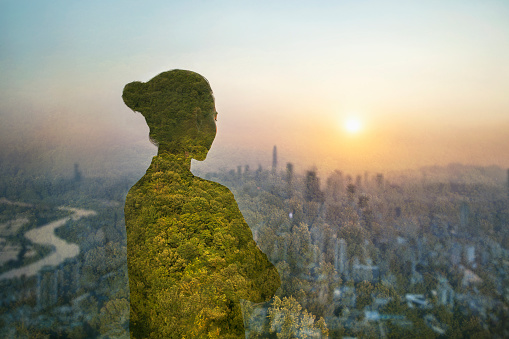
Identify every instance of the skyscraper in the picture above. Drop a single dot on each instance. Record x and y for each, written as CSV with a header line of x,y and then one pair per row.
x,y
334,185
464,214
289,173
312,189
508,182
274,159
380,180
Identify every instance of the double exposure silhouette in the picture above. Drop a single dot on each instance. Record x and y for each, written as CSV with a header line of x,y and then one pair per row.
x,y
191,256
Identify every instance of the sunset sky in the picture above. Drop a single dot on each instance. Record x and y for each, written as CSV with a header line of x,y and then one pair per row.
x,y
352,85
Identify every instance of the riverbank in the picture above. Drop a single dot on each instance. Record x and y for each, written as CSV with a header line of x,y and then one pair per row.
x,y
45,235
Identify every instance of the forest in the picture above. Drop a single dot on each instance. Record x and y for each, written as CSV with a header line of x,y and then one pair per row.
x,y
357,257
375,258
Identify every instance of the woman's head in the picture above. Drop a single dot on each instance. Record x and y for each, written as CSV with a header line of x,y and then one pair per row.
x,y
178,106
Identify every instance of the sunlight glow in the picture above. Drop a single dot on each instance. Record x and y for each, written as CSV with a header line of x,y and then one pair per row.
x,y
353,125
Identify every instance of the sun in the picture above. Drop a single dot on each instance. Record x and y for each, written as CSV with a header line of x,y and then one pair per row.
x,y
353,125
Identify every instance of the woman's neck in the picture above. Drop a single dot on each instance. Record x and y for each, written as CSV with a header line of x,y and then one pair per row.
x,y
164,161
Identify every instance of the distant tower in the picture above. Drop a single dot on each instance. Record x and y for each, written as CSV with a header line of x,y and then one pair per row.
x,y
274,159
350,189
246,171
312,189
342,256
464,214
508,182
397,211
258,172
380,180
335,185
470,255
358,181
363,201
289,172
336,253
77,172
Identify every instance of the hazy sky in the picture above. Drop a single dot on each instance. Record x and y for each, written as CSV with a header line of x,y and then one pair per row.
x,y
428,81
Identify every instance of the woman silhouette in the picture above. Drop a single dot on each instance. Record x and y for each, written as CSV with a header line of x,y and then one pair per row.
x,y
191,256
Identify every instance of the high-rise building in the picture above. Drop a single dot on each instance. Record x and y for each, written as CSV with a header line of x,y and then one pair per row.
x,y
289,180
380,180
358,181
312,190
508,182
342,256
350,190
445,293
289,173
464,214
334,185
274,159
77,172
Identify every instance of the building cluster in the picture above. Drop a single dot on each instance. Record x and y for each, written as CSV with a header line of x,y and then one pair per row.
x,y
77,296
416,247
370,256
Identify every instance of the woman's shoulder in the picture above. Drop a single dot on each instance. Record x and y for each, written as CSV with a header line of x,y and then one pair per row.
x,y
212,186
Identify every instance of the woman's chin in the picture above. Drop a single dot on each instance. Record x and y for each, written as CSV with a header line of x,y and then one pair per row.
x,y
200,157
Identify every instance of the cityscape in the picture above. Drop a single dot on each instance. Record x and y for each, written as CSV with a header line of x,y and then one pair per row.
x,y
364,143
358,256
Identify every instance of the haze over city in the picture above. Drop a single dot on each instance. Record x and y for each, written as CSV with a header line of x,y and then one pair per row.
x,y
361,150
356,86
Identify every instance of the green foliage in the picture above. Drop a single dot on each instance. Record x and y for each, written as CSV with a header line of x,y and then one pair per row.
x,y
289,320
364,298
191,256
112,317
178,106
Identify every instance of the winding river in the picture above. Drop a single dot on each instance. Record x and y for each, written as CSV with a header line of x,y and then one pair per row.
x,y
45,235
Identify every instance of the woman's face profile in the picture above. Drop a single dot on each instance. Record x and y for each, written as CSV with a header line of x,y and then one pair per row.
x,y
179,109
207,130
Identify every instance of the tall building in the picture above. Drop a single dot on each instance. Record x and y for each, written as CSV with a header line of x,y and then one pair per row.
x,y
380,180
470,254
445,293
464,214
343,260
289,173
289,179
312,190
334,185
358,181
508,182
274,159
77,172
350,190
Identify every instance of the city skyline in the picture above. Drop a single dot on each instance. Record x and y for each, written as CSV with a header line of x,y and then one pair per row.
x,y
426,84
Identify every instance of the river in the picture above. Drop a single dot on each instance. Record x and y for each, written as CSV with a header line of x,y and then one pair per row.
x,y
45,235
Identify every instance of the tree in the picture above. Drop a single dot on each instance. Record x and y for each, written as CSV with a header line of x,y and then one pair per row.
x,y
289,320
113,318
364,298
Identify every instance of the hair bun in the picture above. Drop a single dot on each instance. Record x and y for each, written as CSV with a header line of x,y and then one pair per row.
x,y
134,95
